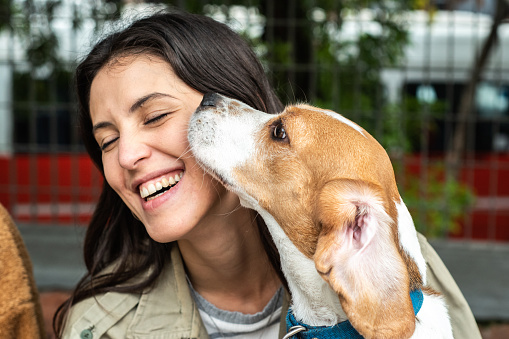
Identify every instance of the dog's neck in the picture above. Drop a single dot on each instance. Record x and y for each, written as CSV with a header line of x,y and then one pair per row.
x,y
313,301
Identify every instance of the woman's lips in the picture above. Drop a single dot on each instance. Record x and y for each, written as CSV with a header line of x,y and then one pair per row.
x,y
153,189
159,197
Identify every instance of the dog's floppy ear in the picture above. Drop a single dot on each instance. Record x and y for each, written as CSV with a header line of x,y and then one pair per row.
x,y
357,255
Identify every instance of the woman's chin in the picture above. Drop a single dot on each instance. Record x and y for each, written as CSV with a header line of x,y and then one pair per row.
x,y
161,234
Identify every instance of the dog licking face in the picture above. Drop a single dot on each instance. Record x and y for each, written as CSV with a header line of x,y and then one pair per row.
x,y
325,188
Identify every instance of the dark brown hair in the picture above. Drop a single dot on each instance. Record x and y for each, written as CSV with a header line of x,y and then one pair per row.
x,y
208,57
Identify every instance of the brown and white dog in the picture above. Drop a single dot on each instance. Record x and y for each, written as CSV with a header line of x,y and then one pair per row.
x,y
327,192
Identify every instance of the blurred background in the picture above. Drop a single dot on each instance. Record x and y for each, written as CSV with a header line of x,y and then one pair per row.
x,y
429,80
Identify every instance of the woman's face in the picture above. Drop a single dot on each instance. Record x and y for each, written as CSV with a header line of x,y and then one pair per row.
x,y
140,111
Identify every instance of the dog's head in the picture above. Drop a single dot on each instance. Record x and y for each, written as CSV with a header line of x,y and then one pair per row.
x,y
330,186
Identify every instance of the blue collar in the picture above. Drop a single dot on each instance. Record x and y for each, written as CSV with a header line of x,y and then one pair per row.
x,y
343,330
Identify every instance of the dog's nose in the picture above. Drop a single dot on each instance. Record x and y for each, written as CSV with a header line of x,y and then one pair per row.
x,y
209,99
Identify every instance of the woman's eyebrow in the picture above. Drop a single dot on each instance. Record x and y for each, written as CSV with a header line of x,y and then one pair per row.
x,y
100,125
146,98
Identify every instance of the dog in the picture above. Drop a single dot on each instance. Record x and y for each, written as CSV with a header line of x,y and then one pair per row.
x,y
327,192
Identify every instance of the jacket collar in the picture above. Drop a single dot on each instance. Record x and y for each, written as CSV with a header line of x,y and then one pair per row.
x,y
168,302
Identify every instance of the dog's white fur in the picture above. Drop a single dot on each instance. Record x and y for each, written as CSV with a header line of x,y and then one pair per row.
x,y
339,117
225,137
408,238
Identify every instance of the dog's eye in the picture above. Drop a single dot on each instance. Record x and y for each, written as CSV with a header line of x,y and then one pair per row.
x,y
278,131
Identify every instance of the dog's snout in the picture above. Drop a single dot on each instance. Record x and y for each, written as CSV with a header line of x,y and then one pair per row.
x,y
209,99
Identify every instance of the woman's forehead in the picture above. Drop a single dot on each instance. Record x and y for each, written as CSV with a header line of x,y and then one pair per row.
x,y
122,63
130,78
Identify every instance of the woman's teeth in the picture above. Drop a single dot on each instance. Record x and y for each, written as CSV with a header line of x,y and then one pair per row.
x,y
158,188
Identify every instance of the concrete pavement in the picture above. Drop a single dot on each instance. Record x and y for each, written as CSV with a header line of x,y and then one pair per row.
x,y
56,253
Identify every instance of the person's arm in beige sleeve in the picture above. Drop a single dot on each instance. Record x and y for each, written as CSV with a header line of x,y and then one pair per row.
x,y
463,322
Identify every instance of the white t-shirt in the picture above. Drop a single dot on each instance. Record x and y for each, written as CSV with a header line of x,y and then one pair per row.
x,y
235,325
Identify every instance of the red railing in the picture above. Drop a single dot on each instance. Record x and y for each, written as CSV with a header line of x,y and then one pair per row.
x,y
46,188
63,189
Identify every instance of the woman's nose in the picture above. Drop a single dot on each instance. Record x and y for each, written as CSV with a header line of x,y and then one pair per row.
x,y
131,151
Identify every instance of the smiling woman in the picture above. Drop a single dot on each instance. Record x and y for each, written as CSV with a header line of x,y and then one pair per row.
x,y
161,223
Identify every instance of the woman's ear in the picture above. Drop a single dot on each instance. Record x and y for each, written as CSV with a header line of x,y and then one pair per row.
x,y
357,254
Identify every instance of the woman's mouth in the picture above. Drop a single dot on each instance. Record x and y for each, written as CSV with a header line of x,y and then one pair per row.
x,y
161,186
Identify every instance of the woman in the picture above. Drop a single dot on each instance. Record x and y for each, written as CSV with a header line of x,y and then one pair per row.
x,y
170,252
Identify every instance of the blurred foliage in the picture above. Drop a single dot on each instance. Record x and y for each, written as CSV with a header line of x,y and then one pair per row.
x,y
358,59
32,22
405,123
311,55
437,204
5,13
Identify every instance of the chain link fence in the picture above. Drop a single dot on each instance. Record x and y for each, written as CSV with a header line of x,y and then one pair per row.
x,y
413,77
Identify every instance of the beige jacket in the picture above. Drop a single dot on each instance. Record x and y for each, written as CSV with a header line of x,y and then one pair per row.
x,y
20,310
168,310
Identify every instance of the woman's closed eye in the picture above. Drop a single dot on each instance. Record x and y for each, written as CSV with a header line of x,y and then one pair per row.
x,y
106,144
156,118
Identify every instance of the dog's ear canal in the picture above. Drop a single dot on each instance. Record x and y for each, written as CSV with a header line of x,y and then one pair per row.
x,y
357,255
